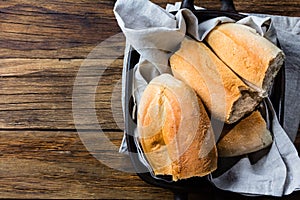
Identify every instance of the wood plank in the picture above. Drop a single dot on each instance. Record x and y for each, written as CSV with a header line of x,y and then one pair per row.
x,y
284,7
53,164
56,29
37,93
56,164
59,29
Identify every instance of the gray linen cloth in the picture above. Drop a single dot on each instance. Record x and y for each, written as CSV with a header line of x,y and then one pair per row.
x,y
156,34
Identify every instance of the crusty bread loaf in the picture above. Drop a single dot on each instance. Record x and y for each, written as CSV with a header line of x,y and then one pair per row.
x,y
174,130
224,94
249,135
251,56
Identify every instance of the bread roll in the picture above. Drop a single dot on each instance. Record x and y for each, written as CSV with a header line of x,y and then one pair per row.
x,y
223,93
249,135
174,130
248,54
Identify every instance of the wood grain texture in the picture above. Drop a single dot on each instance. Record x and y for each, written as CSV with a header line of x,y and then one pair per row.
x,y
36,164
56,164
56,29
71,29
37,93
275,7
47,48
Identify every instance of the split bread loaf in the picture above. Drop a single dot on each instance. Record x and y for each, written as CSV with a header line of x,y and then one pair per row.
x,y
254,58
249,135
226,96
174,130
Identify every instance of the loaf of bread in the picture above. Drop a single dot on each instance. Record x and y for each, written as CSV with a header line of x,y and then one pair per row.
x,y
174,130
226,96
254,58
249,135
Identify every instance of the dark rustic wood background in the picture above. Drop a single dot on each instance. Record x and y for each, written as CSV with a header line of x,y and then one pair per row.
x,y
42,45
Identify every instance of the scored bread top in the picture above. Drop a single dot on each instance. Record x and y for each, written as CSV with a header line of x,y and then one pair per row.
x,y
225,95
174,130
251,56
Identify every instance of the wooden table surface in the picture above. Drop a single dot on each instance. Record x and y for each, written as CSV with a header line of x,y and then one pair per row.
x,y
43,47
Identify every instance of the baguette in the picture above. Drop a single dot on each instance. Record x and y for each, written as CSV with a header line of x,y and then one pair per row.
x,y
254,58
174,130
249,135
226,96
